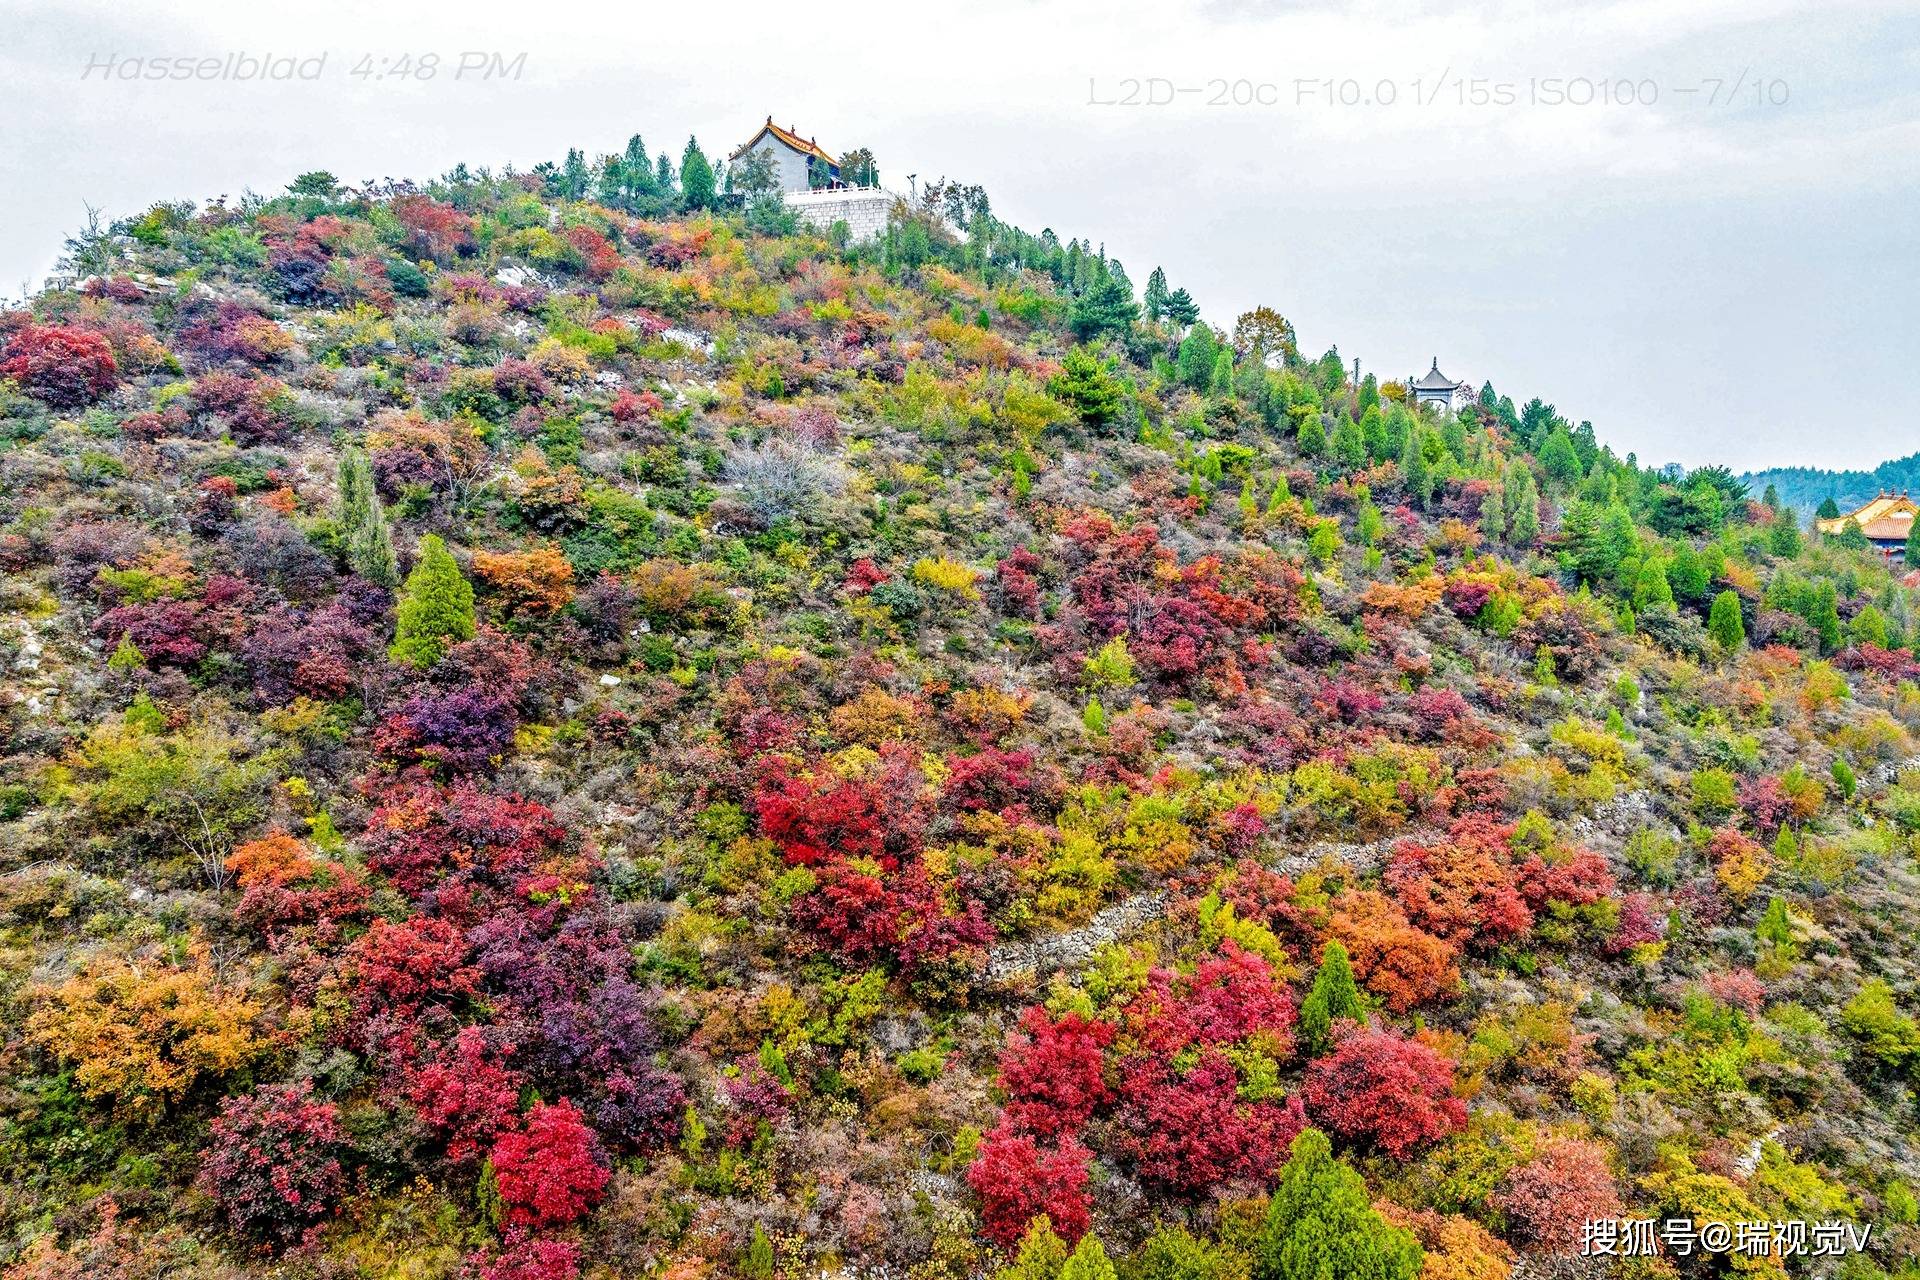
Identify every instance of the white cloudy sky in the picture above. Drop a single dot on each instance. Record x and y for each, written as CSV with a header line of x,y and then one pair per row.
x,y
1706,281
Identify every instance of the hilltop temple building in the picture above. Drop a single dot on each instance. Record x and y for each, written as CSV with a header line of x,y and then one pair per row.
x,y
1886,521
798,163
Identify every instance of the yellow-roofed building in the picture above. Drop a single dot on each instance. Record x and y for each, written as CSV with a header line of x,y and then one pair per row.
x,y
1886,521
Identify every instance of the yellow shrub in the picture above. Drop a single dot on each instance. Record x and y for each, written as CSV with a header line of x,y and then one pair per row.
x,y
943,574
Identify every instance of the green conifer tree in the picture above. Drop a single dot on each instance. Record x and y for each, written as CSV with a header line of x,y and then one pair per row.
x,y
1414,468
1088,1261
1312,439
363,522
436,607
1320,1224
1333,996
1155,296
1724,624
696,177
1041,1256
1349,444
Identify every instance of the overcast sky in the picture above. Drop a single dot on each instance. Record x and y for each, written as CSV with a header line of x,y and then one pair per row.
x,y
1721,268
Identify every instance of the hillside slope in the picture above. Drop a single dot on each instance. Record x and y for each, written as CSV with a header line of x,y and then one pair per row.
x,y
555,737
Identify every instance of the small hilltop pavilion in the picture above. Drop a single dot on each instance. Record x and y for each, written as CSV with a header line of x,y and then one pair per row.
x,y
1886,521
1436,388
799,163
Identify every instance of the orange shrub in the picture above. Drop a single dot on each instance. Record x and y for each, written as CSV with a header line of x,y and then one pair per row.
x,y
537,582
1402,964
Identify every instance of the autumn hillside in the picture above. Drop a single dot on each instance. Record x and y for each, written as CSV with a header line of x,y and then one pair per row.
x,y
566,725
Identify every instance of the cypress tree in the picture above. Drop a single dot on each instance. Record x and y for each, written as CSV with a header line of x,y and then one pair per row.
x,y
1313,437
1783,537
1156,295
1724,624
1332,997
1320,1224
1349,444
1523,520
436,607
364,522
696,177
1414,468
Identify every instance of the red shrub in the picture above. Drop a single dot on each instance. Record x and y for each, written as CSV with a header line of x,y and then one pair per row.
x,y
164,631
65,367
400,967
552,1172
1191,1133
1053,1073
811,815
435,230
1578,879
1463,891
1381,1089
1018,1179
465,1095
533,1258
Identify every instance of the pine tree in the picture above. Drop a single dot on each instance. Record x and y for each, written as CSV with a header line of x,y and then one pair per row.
x,y
1196,359
696,177
1783,537
1493,516
1724,624
1320,1224
1771,497
759,1264
1107,307
436,607
1520,497
1829,509
1332,997
1349,444
1181,308
363,522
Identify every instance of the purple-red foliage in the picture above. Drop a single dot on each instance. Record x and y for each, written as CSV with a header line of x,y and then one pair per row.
x,y
65,367
273,1162
420,833
316,652
165,631
460,731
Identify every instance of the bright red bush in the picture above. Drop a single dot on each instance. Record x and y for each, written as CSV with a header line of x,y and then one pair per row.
x,y
1193,1132
1053,1074
1380,1089
553,1171
1017,1178
465,1095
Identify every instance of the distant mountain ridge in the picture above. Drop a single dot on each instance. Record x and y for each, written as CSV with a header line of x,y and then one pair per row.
x,y
1805,488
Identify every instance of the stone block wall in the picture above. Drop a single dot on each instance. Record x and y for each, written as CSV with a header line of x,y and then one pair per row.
x,y
863,209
